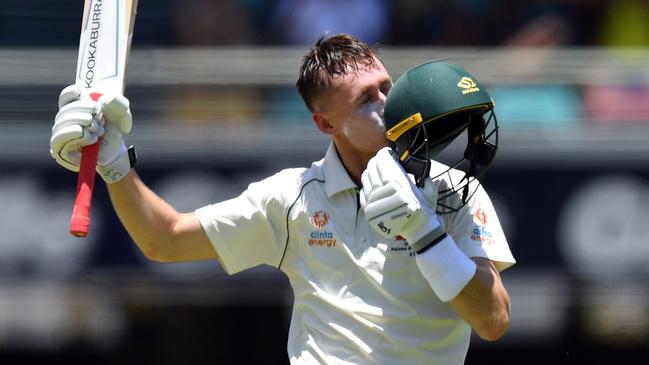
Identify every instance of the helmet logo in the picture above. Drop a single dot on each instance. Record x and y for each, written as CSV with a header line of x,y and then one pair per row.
x,y
467,85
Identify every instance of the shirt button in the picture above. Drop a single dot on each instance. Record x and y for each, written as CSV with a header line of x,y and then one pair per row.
x,y
363,239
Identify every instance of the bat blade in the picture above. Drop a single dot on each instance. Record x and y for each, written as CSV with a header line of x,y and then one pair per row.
x,y
106,33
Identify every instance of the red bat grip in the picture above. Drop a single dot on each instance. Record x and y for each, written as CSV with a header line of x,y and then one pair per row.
x,y
85,183
80,220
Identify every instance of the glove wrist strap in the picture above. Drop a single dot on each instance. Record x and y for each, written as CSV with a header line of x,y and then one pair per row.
x,y
430,237
119,166
422,230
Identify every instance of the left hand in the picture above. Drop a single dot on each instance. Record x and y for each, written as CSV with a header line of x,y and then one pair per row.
x,y
394,205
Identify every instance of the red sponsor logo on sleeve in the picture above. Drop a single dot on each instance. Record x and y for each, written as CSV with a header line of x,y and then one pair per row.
x,y
480,217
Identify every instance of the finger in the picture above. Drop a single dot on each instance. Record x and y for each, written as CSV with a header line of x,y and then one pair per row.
x,y
383,192
66,164
384,161
67,154
399,183
71,151
81,106
99,130
73,136
96,126
69,94
362,198
65,135
391,170
391,207
82,120
430,192
373,176
367,187
126,123
70,159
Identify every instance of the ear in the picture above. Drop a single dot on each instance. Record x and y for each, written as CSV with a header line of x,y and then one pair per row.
x,y
322,122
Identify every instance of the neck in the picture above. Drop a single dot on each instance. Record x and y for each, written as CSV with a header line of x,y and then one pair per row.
x,y
353,160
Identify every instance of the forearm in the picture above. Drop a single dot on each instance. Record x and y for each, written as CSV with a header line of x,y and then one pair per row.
x,y
471,285
148,219
484,303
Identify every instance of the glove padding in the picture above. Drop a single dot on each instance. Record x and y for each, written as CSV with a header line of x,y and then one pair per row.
x,y
394,205
82,121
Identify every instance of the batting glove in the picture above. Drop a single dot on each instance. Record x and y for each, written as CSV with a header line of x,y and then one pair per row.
x,y
82,121
394,205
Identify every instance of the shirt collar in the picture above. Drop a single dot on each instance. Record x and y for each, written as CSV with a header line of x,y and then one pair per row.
x,y
336,177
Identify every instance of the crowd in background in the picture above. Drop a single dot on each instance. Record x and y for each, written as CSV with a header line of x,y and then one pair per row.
x,y
385,22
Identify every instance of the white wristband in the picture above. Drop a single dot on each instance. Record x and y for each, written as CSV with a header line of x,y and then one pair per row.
x,y
446,268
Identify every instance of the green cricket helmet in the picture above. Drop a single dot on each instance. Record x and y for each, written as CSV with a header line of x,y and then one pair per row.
x,y
428,108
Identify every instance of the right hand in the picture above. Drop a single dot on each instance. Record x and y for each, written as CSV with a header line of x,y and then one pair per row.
x,y
81,122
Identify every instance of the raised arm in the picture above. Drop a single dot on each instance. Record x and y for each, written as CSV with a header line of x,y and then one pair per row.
x,y
162,233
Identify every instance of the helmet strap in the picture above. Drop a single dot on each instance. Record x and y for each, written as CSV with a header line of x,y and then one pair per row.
x,y
420,168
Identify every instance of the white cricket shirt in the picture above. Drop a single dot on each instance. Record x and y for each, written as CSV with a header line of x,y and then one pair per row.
x,y
359,298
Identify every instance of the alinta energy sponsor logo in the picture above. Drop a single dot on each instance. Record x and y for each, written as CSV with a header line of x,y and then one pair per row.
x,y
481,234
320,236
467,85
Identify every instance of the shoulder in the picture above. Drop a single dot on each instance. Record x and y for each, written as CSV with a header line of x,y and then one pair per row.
x,y
283,186
450,184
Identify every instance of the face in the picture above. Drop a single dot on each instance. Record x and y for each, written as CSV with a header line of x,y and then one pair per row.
x,y
352,109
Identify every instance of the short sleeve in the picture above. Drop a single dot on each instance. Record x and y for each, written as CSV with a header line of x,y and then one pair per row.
x,y
248,230
478,233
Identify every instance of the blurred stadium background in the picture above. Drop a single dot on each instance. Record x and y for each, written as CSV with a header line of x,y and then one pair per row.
x,y
211,86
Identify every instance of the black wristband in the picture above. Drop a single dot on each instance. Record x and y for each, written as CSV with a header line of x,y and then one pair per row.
x,y
425,241
132,156
431,244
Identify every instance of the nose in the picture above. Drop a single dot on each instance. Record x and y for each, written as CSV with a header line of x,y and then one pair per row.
x,y
383,96
381,103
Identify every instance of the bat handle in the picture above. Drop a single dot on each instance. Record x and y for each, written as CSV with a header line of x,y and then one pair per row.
x,y
80,220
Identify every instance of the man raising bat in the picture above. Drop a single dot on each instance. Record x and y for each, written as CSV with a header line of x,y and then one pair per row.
x,y
379,276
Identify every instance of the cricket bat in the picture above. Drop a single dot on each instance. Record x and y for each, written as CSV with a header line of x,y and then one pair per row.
x,y
106,33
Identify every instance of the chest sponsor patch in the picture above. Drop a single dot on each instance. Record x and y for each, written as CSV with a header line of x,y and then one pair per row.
x,y
320,237
481,234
